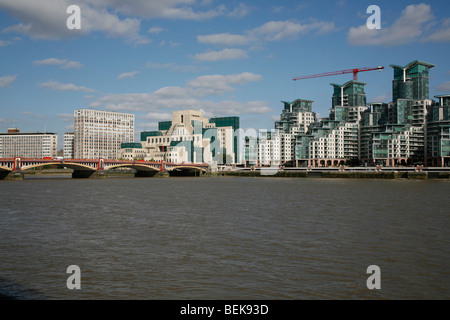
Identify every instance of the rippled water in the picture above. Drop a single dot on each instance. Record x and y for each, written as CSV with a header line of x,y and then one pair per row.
x,y
224,238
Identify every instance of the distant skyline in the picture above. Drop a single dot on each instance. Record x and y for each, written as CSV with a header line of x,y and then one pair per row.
x,y
228,58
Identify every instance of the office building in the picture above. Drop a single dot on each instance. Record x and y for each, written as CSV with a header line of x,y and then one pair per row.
x,y
99,134
28,145
189,138
68,145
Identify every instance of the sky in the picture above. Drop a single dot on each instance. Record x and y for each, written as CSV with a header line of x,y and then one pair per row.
x,y
227,58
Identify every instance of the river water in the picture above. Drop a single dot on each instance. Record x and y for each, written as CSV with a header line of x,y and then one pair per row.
x,y
224,238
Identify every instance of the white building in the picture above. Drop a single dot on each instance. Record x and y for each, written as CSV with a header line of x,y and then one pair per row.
x,y
287,141
338,143
269,148
99,134
28,145
132,151
265,150
189,138
295,119
68,145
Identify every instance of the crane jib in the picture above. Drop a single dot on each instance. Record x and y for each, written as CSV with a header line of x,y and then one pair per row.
x,y
354,71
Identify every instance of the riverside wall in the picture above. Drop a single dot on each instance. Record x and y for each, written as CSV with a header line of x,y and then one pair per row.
x,y
343,175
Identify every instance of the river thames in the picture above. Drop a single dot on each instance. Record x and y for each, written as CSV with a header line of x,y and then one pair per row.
x,y
224,238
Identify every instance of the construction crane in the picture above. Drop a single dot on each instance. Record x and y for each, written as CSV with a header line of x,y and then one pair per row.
x,y
354,71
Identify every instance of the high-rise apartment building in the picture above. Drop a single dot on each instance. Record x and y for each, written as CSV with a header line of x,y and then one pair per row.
x,y
395,133
411,81
438,133
264,150
411,129
99,134
295,119
350,94
68,145
28,145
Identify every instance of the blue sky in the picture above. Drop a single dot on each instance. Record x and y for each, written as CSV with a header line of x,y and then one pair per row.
x,y
225,57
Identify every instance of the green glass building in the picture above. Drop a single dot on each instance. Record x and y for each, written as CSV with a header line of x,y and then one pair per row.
x,y
411,81
350,94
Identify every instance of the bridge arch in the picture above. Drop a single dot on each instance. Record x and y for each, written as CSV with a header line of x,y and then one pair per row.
x,y
2,168
138,167
70,165
187,167
185,170
142,170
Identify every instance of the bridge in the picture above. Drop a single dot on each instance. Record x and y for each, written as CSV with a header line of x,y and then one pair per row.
x,y
13,168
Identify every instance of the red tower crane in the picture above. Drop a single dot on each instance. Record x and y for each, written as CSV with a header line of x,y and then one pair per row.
x,y
354,71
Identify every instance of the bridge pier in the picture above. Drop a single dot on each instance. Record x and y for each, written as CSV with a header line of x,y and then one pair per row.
x,y
145,174
162,174
88,174
11,176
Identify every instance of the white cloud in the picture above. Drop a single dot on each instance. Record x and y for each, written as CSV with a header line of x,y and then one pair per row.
x,y
65,117
228,107
442,35
127,75
381,98
155,30
407,28
321,27
33,115
275,118
225,54
240,11
169,9
63,63
172,67
160,116
224,39
269,31
445,87
5,43
155,104
72,65
171,44
278,9
46,19
220,84
168,65
57,86
6,81
148,125
277,30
